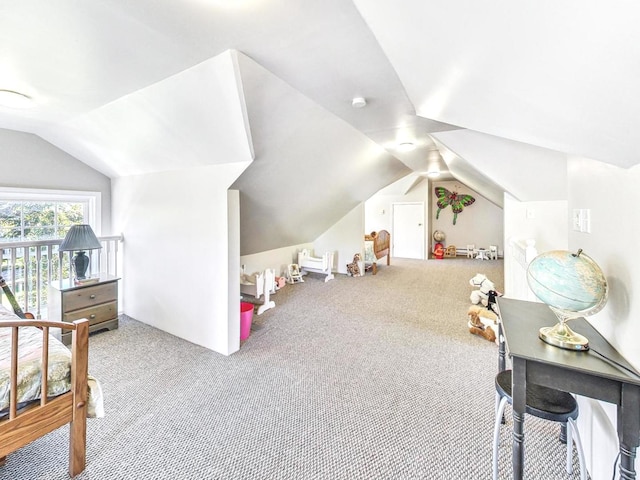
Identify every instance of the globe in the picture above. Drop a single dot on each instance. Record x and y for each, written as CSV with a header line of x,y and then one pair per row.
x,y
438,236
573,285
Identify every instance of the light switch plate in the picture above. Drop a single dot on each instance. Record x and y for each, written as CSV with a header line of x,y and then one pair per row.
x,y
576,220
585,221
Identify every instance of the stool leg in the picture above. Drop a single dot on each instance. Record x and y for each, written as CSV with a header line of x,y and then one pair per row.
x,y
569,441
496,435
575,435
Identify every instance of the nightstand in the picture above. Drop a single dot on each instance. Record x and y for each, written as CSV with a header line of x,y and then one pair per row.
x,y
97,302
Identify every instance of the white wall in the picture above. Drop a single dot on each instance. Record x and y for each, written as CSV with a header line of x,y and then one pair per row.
x,y
480,224
344,239
27,161
278,259
233,273
378,209
177,272
544,222
612,195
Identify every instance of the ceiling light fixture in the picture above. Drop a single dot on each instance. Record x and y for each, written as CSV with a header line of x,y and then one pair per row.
x,y
406,146
358,102
13,99
433,173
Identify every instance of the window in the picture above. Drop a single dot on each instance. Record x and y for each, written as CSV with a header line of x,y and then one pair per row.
x,y
29,215
44,214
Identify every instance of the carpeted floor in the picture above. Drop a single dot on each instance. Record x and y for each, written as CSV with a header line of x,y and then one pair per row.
x,y
374,377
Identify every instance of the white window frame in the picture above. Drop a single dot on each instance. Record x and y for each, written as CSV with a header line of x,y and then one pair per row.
x,y
93,199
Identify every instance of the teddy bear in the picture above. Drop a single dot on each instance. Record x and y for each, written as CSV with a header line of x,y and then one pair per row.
x,y
486,293
483,322
353,268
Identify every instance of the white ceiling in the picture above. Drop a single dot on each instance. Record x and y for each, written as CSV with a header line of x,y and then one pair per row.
x,y
127,87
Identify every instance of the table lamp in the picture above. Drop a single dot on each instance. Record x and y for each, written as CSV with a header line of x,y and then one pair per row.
x,y
80,238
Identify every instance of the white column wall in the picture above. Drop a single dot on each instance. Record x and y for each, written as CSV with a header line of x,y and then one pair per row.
x,y
176,228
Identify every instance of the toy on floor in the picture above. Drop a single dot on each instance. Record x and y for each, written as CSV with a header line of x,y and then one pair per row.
x,y
293,274
483,322
486,293
353,268
322,264
259,284
280,282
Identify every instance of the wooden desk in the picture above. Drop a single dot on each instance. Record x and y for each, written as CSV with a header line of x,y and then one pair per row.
x,y
583,373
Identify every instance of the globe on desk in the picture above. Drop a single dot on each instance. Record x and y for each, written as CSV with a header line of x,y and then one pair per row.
x,y
573,286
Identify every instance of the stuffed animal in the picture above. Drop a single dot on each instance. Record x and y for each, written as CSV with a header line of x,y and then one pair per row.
x,y
353,268
483,322
483,295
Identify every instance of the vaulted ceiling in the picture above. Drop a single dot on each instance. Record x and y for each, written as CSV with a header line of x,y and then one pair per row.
x,y
148,85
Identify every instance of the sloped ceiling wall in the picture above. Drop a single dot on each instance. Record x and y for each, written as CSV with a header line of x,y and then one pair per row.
x,y
553,74
528,172
123,86
191,119
310,166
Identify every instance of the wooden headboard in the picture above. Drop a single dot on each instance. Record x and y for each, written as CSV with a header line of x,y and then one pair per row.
x,y
381,244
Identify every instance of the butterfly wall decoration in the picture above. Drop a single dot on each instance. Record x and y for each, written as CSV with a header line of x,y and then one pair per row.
x,y
457,201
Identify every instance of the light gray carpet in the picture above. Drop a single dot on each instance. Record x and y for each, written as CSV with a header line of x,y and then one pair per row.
x,y
360,378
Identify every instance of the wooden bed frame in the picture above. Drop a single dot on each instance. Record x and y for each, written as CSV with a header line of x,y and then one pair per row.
x,y
37,419
381,246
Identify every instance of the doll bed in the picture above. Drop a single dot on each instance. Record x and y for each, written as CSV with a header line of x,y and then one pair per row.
x,y
322,264
258,284
27,349
377,245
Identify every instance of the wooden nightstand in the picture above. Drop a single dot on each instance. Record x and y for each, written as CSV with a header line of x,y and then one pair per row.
x,y
97,302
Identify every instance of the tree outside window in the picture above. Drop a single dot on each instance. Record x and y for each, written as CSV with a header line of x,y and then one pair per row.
x,y
31,221
38,220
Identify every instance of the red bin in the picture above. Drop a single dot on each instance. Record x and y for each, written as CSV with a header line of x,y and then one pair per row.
x,y
246,317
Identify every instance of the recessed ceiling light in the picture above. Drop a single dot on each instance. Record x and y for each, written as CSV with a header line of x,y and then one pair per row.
x,y
406,146
13,99
433,173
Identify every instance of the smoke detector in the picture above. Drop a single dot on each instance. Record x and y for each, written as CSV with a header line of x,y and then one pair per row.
x,y
358,102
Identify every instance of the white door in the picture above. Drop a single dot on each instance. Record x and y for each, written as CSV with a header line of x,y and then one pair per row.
x,y
407,236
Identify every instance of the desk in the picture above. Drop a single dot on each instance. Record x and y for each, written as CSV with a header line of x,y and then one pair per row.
x,y
482,254
583,373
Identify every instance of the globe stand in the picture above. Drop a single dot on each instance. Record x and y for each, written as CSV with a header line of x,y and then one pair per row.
x,y
561,335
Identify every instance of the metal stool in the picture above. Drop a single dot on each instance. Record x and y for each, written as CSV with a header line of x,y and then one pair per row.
x,y
545,403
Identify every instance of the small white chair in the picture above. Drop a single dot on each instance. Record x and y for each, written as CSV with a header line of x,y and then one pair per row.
x,y
493,252
293,273
471,250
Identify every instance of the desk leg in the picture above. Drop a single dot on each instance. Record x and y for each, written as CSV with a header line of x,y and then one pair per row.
x,y
629,430
519,395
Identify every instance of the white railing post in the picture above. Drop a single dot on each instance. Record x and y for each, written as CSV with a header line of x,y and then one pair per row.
x,y
45,271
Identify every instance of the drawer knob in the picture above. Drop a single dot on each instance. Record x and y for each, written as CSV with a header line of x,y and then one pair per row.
x,y
92,297
92,316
